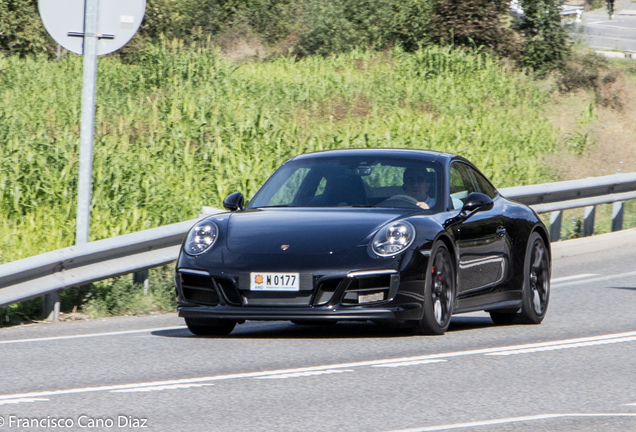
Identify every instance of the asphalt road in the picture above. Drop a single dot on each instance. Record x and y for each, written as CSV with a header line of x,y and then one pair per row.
x,y
598,31
576,371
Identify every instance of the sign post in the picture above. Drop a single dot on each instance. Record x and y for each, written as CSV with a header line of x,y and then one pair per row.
x,y
107,26
87,131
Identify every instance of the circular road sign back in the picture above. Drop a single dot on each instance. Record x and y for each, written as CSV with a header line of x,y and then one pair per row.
x,y
118,21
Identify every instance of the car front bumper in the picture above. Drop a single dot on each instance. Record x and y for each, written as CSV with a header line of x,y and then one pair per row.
x,y
410,311
378,289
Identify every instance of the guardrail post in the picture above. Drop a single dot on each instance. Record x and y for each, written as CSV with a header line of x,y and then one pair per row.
x,y
617,216
51,306
555,226
588,221
142,277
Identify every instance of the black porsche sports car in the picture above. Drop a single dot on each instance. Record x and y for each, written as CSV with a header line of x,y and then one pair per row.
x,y
404,236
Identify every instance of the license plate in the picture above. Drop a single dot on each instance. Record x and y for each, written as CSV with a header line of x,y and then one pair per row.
x,y
274,282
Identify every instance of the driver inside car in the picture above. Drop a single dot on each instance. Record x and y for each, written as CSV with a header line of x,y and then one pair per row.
x,y
416,183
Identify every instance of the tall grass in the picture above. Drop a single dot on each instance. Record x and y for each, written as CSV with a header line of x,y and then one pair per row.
x,y
181,128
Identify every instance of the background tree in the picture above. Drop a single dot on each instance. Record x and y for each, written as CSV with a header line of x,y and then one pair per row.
x,y
21,29
474,23
545,45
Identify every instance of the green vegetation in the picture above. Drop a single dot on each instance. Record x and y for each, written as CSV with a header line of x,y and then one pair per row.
x,y
118,296
21,29
545,46
261,28
183,129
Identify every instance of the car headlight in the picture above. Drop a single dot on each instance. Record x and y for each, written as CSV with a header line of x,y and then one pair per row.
x,y
201,237
393,239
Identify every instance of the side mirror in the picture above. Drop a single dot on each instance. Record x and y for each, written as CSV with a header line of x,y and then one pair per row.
x,y
233,202
477,202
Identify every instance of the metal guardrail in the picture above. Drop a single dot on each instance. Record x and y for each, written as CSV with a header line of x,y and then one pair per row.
x,y
553,198
79,265
51,272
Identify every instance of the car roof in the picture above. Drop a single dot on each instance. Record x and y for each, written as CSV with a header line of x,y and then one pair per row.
x,y
427,155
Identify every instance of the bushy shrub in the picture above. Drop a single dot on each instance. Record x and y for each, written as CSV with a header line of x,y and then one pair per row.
x,y
21,29
583,71
594,4
301,26
474,23
324,27
331,26
546,46
409,27
120,296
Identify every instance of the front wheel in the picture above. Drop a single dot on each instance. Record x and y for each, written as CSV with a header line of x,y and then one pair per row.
x,y
210,326
439,293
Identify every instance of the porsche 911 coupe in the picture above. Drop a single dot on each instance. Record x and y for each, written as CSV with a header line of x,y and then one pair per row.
x,y
406,237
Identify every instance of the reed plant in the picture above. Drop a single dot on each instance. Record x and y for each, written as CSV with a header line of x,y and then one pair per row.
x,y
182,128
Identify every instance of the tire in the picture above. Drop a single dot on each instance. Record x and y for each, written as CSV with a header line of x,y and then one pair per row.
x,y
536,282
210,326
439,293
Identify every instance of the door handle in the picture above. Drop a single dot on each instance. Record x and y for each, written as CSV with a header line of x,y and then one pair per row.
x,y
501,231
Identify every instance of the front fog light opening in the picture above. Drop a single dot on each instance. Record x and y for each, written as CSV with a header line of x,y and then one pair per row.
x,y
370,298
201,237
393,239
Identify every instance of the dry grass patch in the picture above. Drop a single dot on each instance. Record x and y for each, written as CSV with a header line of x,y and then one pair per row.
x,y
597,128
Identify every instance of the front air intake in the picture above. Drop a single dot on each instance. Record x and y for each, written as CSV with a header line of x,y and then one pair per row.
x,y
367,289
199,288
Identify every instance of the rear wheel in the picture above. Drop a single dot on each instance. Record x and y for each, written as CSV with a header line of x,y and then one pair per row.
x,y
210,326
536,282
439,293
536,287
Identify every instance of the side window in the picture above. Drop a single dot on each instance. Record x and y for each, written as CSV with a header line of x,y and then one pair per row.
x,y
461,184
321,187
484,185
287,192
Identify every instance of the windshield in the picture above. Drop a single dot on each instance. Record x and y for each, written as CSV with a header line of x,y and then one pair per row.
x,y
353,181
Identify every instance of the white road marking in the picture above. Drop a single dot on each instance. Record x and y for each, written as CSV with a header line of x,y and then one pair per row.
x,y
596,279
161,388
55,338
317,368
610,26
609,37
22,400
575,277
510,420
409,363
564,346
304,374
632,404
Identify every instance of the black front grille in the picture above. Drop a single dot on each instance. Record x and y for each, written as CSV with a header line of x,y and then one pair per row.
x,y
230,290
366,285
201,296
326,290
277,298
199,288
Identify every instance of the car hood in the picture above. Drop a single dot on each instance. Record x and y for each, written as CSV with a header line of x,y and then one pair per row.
x,y
303,231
